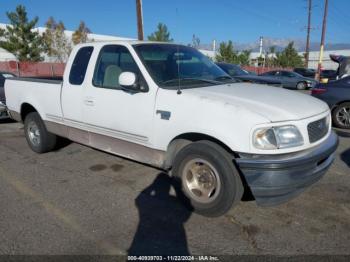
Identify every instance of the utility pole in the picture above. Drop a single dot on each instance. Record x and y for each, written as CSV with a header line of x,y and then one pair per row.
x,y
139,19
324,25
307,49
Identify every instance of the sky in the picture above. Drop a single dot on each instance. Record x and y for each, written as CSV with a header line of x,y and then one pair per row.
x,y
240,21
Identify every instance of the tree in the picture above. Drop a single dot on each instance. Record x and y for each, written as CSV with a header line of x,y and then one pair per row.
x,y
289,57
20,38
270,57
226,53
55,41
161,35
195,41
272,49
243,57
81,34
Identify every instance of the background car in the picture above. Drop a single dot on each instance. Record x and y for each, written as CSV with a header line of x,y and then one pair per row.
x,y
291,79
251,72
329,74
344,65
337,95
307,72
237,72
3,110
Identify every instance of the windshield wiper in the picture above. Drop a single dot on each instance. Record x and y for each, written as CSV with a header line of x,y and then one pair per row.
x,y
220,78
176,80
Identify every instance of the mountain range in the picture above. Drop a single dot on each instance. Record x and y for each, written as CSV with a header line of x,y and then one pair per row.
x,y
281,43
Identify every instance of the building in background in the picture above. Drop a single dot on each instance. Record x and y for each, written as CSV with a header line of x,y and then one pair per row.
x,y
6,56
327,62
313,58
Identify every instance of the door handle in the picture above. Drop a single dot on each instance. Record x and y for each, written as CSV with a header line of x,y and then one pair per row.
x,y
89,102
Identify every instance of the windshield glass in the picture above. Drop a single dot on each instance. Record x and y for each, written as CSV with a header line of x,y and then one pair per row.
x,y
233,70
172,66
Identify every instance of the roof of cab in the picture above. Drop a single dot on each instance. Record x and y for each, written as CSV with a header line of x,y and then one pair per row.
x,y
131,42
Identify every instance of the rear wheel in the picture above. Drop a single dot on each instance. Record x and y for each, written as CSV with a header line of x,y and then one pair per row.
x,y
38,138
208,177
341,115
301,86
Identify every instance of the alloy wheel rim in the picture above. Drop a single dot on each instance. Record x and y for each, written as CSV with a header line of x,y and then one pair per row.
x,y
343,116
301,86
201,180
33,133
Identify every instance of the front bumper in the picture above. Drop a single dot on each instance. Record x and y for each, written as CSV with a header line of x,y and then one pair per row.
x,y
274,179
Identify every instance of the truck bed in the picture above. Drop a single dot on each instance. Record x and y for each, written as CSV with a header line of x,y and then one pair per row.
x,y
56,78
40,79
42,93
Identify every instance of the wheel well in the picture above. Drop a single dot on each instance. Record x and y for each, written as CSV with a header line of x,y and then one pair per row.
x,y
184,139
339,103
26,109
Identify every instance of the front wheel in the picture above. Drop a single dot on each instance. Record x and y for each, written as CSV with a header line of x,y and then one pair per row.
x,y
301,86
341,115
38,138
208,177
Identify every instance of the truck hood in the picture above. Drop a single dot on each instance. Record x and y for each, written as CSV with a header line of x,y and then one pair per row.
x,y
274,103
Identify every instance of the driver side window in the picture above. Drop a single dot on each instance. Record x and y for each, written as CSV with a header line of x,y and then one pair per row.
x,y
287,74
112,61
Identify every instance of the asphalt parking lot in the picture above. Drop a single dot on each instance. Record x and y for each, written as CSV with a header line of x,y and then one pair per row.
x,y
77,200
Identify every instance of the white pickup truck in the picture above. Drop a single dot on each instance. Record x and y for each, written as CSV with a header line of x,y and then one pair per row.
x,y
169,106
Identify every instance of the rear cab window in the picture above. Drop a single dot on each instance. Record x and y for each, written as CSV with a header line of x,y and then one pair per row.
x,y
79,66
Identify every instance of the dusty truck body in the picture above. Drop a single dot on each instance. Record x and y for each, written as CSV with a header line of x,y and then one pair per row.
x,y
169,106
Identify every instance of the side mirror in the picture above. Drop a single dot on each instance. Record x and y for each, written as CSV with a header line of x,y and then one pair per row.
x,y
129,82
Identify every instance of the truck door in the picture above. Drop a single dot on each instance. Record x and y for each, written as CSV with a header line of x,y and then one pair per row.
x,y
73,94
110,111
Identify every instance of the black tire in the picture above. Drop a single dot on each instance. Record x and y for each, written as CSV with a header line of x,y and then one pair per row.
x,y
229,185
338,112
301,86
43,140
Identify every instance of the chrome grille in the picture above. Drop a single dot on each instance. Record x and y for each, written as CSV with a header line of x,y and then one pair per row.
x,y
317,129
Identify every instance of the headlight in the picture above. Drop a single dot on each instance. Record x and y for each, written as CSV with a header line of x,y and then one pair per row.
x,y
277,137
311,83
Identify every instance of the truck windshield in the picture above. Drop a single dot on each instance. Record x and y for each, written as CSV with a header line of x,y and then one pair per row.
x,y
172,66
